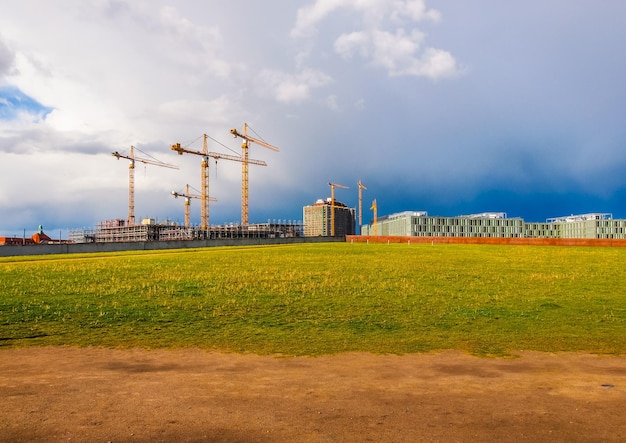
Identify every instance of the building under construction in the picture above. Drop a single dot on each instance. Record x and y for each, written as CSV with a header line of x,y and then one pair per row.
x,y
119,230
318,219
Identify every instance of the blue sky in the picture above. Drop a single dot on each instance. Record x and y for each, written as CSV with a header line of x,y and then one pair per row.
x,y
445,106
14,102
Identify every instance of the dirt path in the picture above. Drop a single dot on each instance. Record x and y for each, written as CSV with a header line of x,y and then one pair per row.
x,y
68,394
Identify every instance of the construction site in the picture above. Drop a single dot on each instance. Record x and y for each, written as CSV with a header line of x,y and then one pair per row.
x,y
147,230
326,218
150,230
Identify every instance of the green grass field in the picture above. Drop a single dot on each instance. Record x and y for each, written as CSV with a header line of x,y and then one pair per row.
x,y
314,299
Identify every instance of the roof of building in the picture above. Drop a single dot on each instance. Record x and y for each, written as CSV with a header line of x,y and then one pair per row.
x,y
328,202
581,217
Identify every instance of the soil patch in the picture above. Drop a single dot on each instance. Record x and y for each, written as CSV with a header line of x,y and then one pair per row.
x,y
95,394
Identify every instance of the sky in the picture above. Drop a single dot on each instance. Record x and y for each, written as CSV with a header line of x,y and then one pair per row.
x,y
435,105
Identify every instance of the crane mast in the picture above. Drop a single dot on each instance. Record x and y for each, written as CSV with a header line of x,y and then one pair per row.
x,y
131,187
204,179
361,187
374,207
131,177
204,186
244,167
188,198
332,205
205,154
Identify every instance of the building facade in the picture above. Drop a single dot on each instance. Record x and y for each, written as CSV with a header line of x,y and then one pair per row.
x,y
318,219
497,225
590,226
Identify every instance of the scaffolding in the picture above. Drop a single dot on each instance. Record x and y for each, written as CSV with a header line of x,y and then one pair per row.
x,y
118,230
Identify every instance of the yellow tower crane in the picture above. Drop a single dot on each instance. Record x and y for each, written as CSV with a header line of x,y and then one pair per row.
x,y
332,205
131,177
361,187
188,198
244,167
374,207
205,154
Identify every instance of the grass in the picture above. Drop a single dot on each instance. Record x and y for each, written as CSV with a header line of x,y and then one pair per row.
x,y
315,299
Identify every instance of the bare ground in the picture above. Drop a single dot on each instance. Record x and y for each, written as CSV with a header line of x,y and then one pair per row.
x,y
93,394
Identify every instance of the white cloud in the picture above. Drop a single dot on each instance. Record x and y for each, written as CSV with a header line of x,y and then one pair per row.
x,y
434,63
393,50
383,41
162,31
190,112
398,53
199,46
347,44
292,91
291,88
140,73
415,10
113,9
373,11
309,16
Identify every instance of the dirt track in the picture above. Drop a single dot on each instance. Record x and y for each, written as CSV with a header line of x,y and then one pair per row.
x,y
69,394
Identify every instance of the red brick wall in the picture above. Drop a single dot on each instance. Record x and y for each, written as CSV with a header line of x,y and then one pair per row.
x,y
490,241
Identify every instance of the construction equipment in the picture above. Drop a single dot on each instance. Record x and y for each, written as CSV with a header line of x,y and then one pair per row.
x,y
374,207
188,198
244,167
332,205
205,154
131,177
361,187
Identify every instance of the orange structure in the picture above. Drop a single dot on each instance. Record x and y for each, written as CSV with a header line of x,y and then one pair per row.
x,y
187,196
131,177
205,154
332,205
244,167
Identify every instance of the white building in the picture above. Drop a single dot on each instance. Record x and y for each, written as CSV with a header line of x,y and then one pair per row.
x,y
496,225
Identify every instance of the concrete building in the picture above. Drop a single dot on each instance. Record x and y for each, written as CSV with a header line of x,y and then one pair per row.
x,y
318,219
497,225
600,225
420,224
